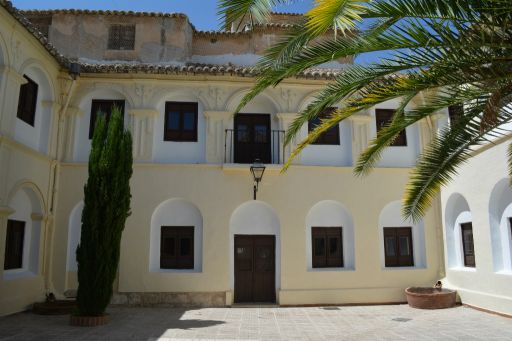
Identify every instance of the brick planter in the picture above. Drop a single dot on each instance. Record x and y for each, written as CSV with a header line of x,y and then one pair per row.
x,y
89,321
430,298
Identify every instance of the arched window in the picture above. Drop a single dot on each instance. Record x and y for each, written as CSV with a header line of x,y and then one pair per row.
x,y
329,237
176,243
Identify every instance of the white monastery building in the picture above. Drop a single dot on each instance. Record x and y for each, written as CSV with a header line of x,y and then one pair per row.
x,y
315,235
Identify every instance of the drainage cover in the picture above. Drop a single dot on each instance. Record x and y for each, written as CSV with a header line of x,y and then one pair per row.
x,y
401,319
330,308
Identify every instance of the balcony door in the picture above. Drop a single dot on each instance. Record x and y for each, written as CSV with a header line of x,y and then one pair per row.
x,y
252,138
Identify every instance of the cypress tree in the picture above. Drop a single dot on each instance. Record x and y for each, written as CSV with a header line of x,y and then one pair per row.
x,y
106,207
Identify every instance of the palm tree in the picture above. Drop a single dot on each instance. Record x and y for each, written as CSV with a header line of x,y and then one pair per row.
x,y
453,53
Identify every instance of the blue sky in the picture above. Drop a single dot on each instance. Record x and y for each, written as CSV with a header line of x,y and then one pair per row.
x,y
202,13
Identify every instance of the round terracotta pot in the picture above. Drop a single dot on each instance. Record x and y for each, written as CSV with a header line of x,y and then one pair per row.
x,y
430,298
89,321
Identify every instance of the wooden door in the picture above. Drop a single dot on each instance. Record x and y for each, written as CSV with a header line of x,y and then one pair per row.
x,y
252,138
255,268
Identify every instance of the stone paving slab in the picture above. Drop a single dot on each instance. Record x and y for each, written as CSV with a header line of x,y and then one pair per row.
x,y
395,322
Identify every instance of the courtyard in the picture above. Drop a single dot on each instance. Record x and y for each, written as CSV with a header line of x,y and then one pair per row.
x,y
390,322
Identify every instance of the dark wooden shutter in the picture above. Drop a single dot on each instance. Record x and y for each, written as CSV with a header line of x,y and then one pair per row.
x,y
383,117
27,101
180,121
330,136
177,247
455,112
398,249
103,106
327,247
14,244
467,244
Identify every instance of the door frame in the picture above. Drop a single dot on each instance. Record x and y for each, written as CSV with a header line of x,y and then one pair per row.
x,y
274,274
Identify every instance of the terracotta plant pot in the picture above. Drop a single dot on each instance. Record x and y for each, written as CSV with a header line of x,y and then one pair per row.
x,y
89,321
430,298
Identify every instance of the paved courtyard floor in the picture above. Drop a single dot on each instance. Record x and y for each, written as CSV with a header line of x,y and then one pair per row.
x,y
396,322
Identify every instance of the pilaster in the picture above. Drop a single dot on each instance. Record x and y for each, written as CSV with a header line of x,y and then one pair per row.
x,y
141,124
68,132
285,119
216,124
360,134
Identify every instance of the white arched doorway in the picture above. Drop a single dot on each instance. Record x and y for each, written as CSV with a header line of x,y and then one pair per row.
x,y
457,213
252,227
500,220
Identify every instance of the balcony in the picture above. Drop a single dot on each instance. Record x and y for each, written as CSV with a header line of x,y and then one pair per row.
x,y
246,145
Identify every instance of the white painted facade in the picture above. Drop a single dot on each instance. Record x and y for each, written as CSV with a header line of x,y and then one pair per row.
x,y
43,170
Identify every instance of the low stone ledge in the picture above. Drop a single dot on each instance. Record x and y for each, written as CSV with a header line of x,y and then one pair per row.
x,y
170,299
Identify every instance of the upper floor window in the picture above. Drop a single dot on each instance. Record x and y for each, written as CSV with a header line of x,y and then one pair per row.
x,y
383,117
177,247
398,246
327,247
103,106
455,112
468,247
121,37
180,121
330,136
14,244
27,101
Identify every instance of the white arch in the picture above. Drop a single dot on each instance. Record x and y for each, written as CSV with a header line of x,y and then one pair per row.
x,y
254,218
263,103
37,136
391,216
330,213
29,208
500,212
74,233
457,212
175,212
83,99
180,152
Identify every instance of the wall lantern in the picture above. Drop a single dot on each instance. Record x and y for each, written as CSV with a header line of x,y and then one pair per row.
x,y
257,170
74,70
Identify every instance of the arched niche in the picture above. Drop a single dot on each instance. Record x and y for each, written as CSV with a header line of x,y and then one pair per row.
x,y
255,218
179,151
457,212
330,213
26,202
500,222
37,136
74,233
391,216
83,100
176,212
261,104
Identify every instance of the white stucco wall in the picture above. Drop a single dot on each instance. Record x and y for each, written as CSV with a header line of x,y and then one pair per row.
x,y
478,194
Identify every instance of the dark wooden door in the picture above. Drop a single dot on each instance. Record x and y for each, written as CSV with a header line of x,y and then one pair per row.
x,y
255,268
252,138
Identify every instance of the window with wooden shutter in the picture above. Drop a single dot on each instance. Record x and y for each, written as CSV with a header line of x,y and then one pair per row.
x,y
398,246
121,37
27,101
180,121
327,247
177,247
383,118
455,112
330,136
103,106
14,244
467,244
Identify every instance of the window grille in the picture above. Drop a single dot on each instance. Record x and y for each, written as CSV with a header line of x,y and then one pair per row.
x,y
121,37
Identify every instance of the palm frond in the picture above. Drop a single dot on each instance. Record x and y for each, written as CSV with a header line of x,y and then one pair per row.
x,y
336,15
